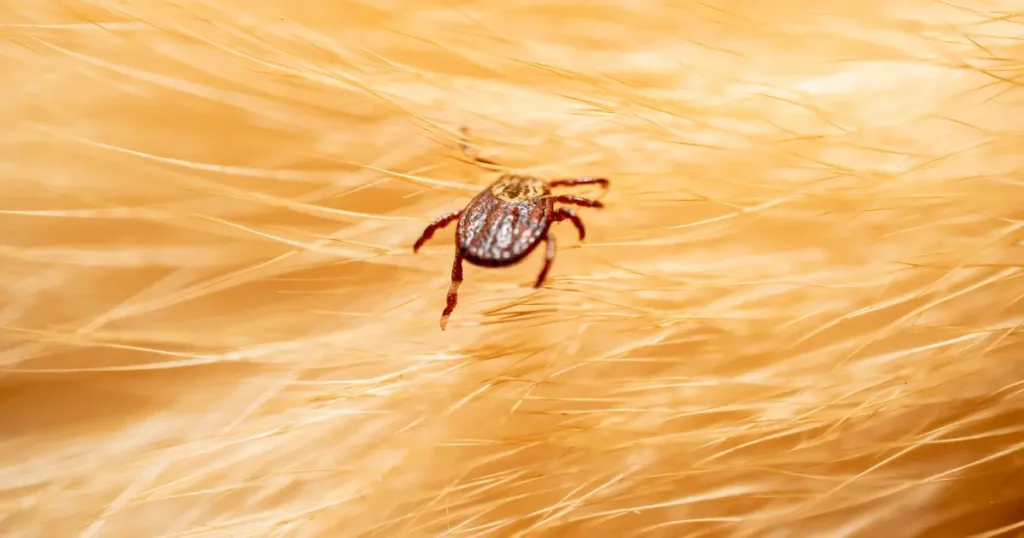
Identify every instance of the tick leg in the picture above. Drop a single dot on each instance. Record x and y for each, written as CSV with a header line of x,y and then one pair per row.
x,y
440,222
471,152
577,200
453,290
572,182
570,215
548,258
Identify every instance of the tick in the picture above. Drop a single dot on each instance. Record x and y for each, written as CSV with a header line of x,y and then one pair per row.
x,y
505,222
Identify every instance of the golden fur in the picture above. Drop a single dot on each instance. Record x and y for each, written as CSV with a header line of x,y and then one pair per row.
x,y
798,315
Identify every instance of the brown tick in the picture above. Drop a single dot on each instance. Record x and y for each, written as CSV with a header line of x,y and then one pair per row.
x,y
506,221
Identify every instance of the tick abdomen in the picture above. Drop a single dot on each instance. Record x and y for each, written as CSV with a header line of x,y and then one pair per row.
x,y
493,232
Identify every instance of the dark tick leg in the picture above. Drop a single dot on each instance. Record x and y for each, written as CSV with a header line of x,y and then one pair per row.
x,y
577,200
453,290
440,222
471,152
570,215
572,182
548,258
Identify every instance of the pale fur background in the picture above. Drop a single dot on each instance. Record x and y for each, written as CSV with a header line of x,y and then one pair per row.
x,y
798,316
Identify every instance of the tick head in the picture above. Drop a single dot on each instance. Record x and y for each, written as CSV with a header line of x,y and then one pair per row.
x,y
513,188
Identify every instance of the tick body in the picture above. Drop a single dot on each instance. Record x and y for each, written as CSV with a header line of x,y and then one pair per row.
x,y
505,222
